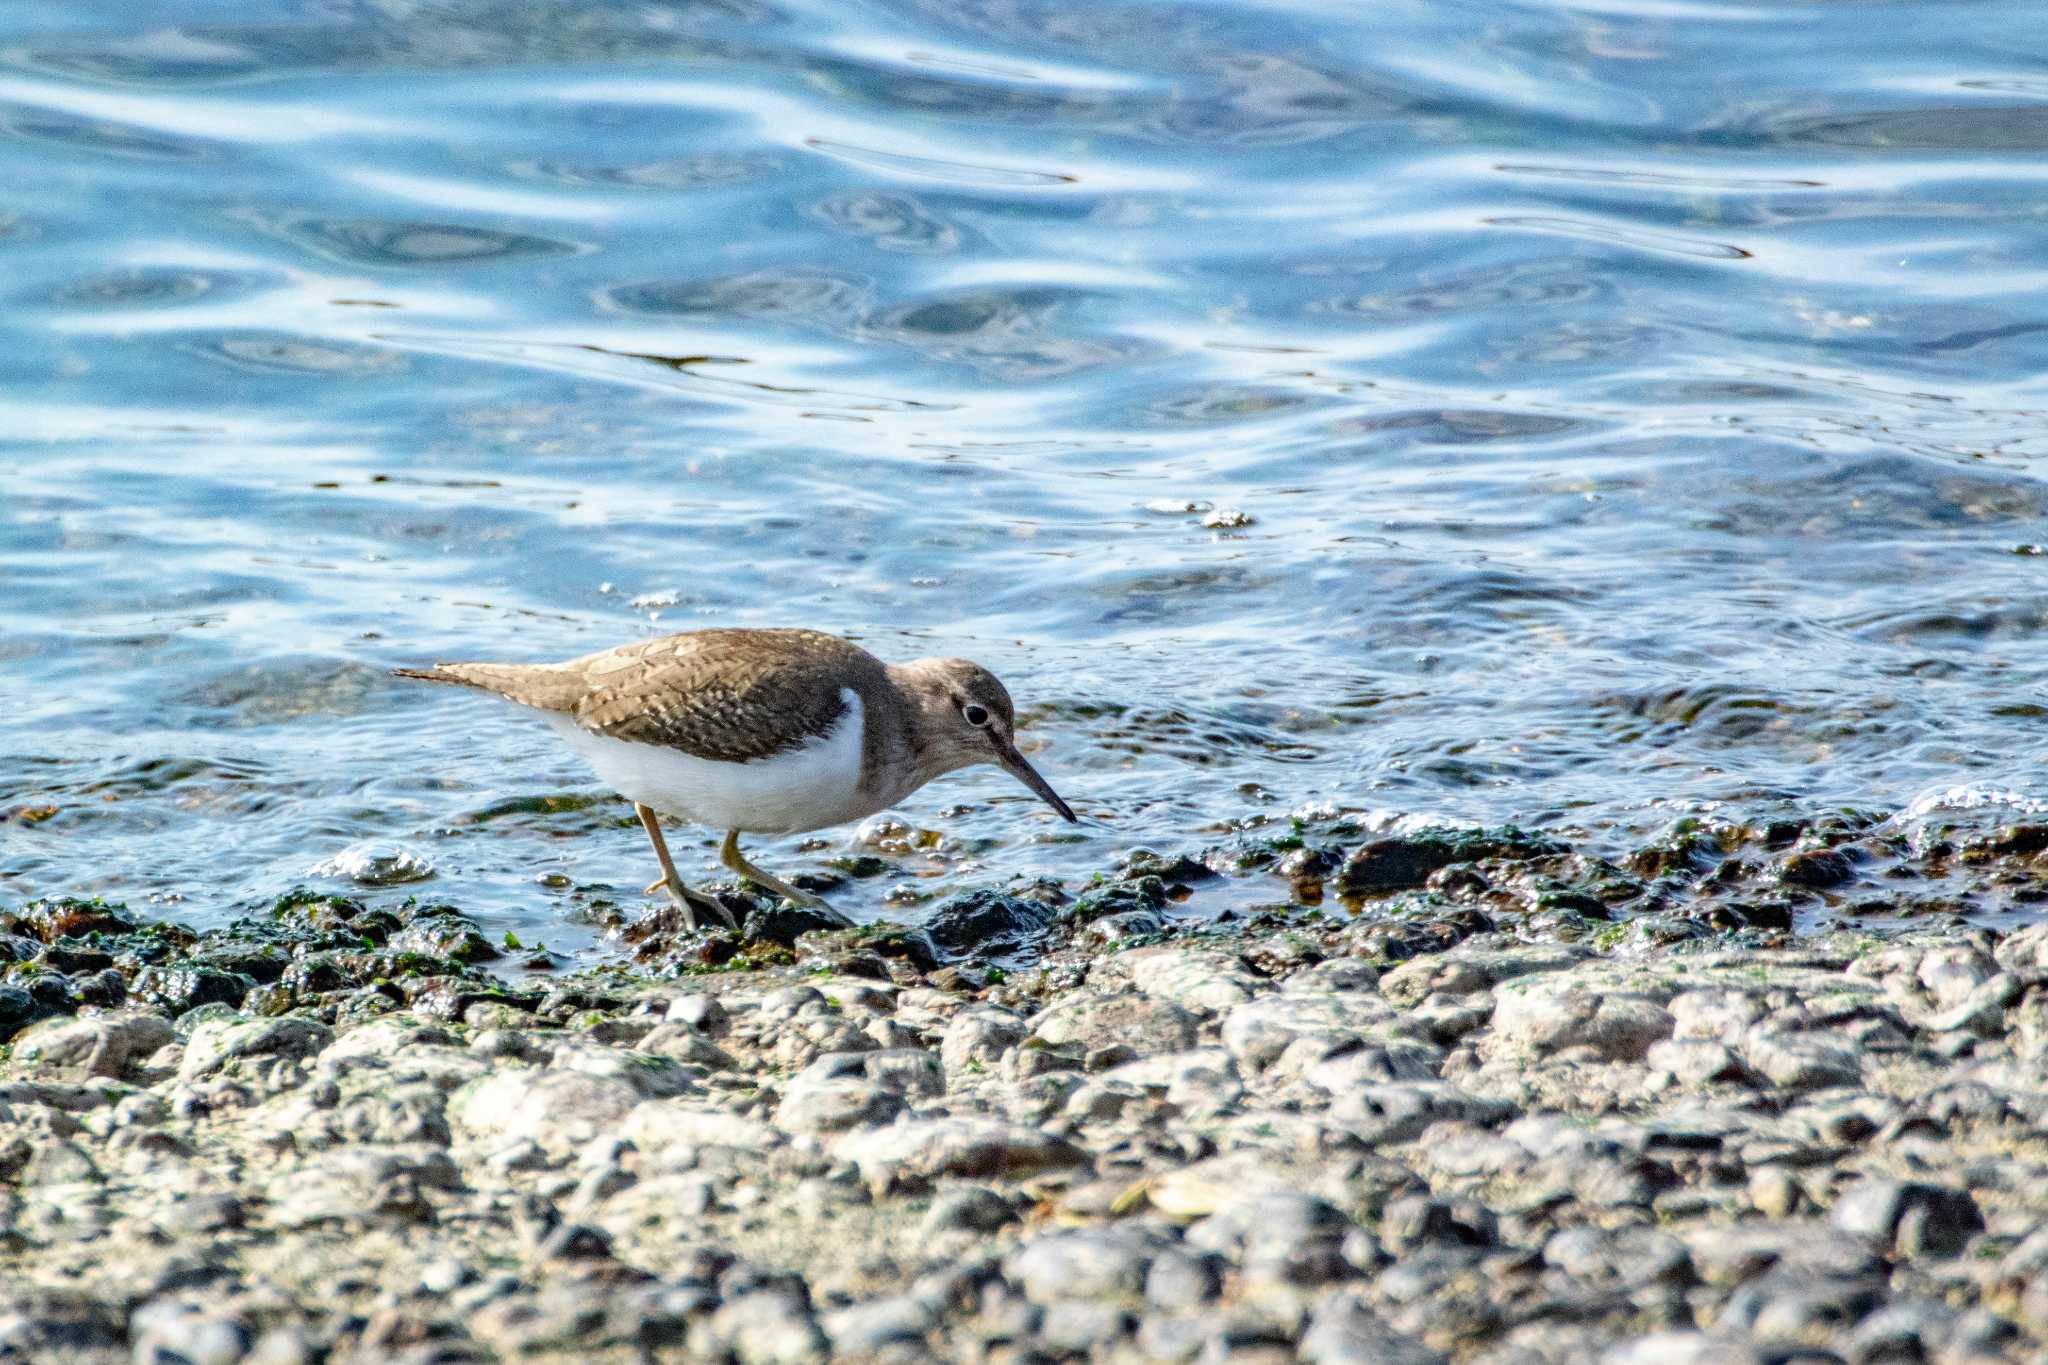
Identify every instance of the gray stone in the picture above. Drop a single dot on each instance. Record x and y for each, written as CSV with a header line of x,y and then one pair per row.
x,y
1259,1031
1140,1022
1684,1348
169,1332
866,1327
921,1150
1399,1112
969,1208
770,1327
1081,1326
1559,1013
102,1045
1086,1263
835,1106
1345,1331
1912,1218
1206,981
979,1038
1799,1061
220,1043
558,1111
1415,1221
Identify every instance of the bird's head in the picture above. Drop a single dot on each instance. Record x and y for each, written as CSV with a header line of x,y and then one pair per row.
x,y
965,716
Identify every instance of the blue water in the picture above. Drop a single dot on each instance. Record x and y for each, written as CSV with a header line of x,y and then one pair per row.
x,y
1579,414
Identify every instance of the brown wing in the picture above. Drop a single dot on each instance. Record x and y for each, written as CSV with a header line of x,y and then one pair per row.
x,y
729,695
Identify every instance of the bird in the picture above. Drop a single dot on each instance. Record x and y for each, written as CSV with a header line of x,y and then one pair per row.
x,y
761,731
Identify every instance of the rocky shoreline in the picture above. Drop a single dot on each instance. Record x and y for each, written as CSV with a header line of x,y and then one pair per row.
x,y
1759,1093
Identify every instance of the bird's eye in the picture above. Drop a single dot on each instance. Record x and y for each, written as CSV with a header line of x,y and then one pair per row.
x,y
976,715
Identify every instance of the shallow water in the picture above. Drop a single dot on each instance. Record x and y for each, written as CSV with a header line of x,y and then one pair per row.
x,y
1575,414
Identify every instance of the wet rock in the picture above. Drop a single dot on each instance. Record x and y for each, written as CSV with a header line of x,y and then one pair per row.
x,y
62,917
19,1009
1405,862
988,924
188,986
1817,868
784,923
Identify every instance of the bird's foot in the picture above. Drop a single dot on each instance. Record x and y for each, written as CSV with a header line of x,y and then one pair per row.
x,y
695,904
798,896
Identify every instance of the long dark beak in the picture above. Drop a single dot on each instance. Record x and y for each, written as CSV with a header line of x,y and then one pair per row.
x,y
1013,763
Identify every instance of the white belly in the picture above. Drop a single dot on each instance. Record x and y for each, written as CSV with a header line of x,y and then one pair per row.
x,y
807,788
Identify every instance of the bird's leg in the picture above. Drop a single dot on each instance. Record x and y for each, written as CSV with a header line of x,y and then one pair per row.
x,y
688,901
735,861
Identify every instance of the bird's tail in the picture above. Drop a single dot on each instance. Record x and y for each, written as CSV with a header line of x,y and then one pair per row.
x,y
438,673
538,686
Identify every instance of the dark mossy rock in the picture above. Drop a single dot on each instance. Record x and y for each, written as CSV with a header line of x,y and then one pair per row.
x,y
439,931
304,905
1308,863
75,955
1570,898
862,865
262,963
655,931
785,923
1119,898
315,974
1817,868
19,1009
989,923
188,1022
816,882
448,998
891,942
179,987
1773,914
152,943
1405,862
1683,853
46,921
106,989
1181,868
2007,842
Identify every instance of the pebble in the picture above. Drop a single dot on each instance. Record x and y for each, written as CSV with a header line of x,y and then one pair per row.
x,y
1404,1139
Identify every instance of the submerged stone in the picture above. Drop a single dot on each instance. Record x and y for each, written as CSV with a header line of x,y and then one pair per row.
x,y
1405,862
988,923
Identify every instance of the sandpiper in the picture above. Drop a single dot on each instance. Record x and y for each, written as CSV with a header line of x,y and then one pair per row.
x,y
761,732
